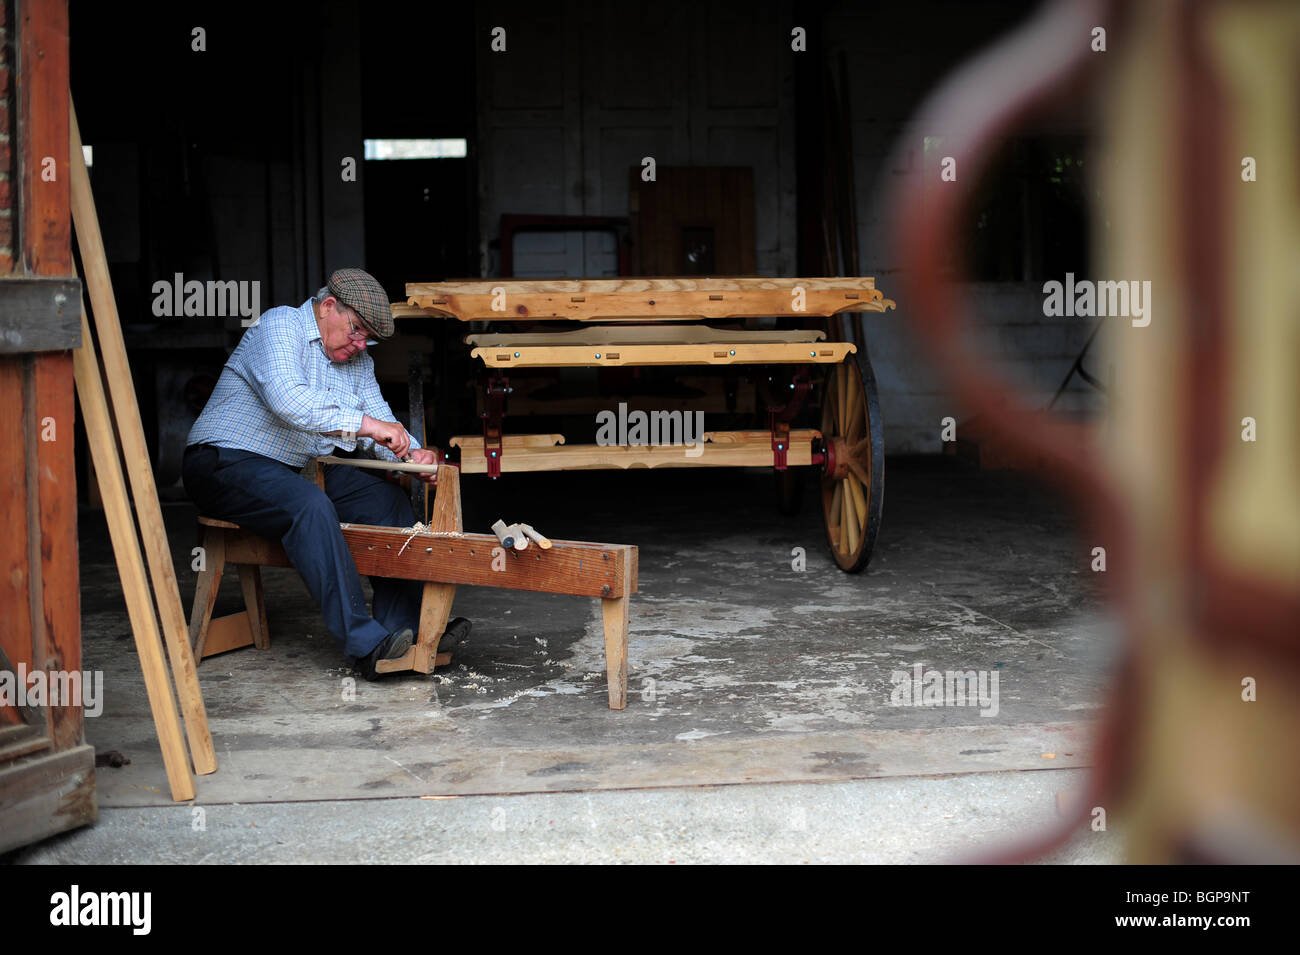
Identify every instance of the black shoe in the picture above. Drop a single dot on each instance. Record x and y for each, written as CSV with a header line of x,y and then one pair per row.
x,y
392,647
453,636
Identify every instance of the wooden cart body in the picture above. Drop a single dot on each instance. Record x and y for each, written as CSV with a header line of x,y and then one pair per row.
x,y
792,339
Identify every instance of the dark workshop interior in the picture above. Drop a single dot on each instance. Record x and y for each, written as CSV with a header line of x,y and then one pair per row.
x,y
765,697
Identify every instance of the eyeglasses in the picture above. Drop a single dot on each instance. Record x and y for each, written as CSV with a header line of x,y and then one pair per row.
x,y
354,333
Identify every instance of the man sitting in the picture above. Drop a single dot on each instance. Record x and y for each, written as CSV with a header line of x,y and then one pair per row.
x,y
299,385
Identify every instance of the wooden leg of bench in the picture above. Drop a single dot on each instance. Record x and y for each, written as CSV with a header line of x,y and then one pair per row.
x,y
435,609
615,612
250,582
205,593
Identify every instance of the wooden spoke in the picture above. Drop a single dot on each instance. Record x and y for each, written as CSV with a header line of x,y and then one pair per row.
x,y
862,474
837,528
850,520
859,500
854,427
846,526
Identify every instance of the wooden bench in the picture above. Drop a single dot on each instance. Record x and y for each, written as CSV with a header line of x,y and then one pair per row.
x,y
442,559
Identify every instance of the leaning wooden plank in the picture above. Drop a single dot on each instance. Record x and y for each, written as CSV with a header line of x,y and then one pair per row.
x,y
659,334
131,432
130,567
591,457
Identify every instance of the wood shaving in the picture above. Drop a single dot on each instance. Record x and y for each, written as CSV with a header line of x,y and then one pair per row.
x,y
422,528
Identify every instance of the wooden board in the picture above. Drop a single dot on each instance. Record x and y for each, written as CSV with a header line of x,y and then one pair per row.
x,y
726,353
580,568
638,284
130,568
227,633
18,635
646,299
377,465
42,98
50,793
39,313
508,442
661,333
739,449
54,491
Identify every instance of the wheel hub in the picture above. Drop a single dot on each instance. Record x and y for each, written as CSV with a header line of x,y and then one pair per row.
x,y
836,465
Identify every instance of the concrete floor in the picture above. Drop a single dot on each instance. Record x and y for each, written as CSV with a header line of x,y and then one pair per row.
x,y
741,671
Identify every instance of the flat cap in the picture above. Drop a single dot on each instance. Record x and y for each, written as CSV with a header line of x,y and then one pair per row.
x,y
360,292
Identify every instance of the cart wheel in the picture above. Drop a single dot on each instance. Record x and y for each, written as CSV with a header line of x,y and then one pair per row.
x,y
853,478
789,490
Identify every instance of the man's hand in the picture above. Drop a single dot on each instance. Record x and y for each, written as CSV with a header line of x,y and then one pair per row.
x,y
425,456
389,434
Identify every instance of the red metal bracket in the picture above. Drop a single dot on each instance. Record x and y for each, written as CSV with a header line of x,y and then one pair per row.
x,y
779,417
780,442
494,412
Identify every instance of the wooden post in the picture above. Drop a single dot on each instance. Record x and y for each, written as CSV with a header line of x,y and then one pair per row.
x,y
209,582
130,567
250,582
127,413
435,607
615,612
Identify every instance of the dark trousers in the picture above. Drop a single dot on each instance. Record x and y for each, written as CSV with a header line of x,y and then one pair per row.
x,y
272,499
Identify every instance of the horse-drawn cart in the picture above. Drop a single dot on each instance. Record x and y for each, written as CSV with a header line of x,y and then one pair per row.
x,y
780,362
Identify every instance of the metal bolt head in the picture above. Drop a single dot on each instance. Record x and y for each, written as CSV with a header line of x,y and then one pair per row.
x,y
605,590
